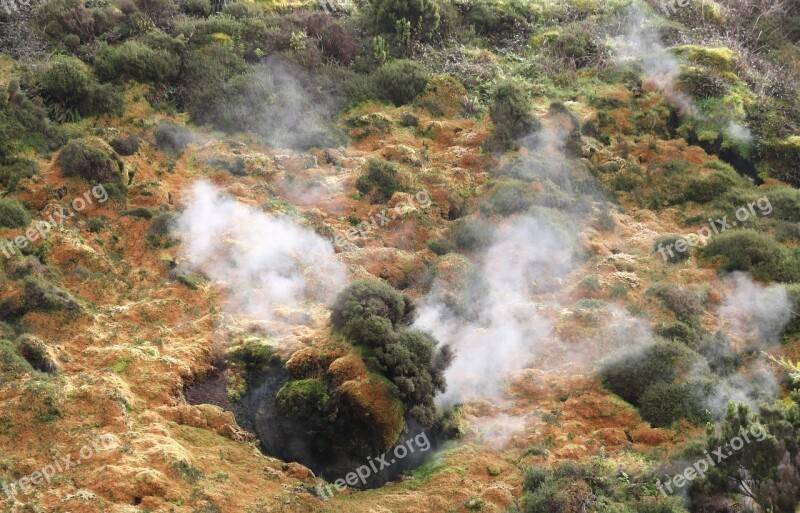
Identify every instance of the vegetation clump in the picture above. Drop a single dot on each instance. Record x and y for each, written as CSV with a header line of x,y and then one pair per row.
x,y
91,160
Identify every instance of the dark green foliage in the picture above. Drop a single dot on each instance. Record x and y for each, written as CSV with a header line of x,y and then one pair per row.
x,y
409,120
43,296
664,403
126,145
197,8
766,468
499,19
629,375
708,188
173,138
681,332
471,234
793,327
253,358
382,177
140,212
401,81
549,497
137,61
24,123
72,92
700,83
509,110
509,198
62,18
440,246
785,203
13,170
665,247
303,398
755,252
422,14
782,157
89,160
685,303
13,214
373,314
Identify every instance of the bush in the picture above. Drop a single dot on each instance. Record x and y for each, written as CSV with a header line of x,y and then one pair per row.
x,y
337,43
125,145
706,188
550,497
13,214
91,160
684,303
172,138
43,296
509,198
665,247
137,61
785,203
382,176
509,110
755,252
471,234
664,403
629,375
197,8
422,14
375,315
401,81
782,156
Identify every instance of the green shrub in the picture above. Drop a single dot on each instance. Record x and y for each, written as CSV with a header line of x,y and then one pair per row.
x,y
43,296
550,497
509,110
630,374
172,138
422,14
665,247
681,332
704,189
785,203
782,156
137,61
471,234
13,214
197,8
685,303
409,120
15,169
793,326
401,81
91,160
126,145
440,246
664,403
509,198
367,311
700,83
535,477
498,19
755,252
383,177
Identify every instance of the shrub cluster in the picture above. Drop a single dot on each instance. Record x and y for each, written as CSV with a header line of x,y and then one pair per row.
x,y
509,110
755,252
91,160
382,178
13,214
376,316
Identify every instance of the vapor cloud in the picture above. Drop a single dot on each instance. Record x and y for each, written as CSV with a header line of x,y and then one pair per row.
x,y
264,262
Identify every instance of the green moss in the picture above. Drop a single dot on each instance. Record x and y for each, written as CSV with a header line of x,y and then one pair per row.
x,y
12,363
303,398
781,157
719,58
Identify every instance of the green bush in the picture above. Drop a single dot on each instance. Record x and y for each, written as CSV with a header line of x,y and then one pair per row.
x,y
664,403
383,177
509,198
375,315
704,189
498,19
13,214
630,374
197,8
509,110
126,145
91,160
137,61
684,303
43,296
401,81
471,234
550,497
665,247
422,14
755,252
785,203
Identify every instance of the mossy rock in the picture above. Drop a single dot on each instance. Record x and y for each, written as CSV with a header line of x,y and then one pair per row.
x,y
12,364
308,362
718,58
303,398
373,401
782,158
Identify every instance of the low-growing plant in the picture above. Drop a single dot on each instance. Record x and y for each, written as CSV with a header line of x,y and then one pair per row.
x,y
382,177
13,214
92,160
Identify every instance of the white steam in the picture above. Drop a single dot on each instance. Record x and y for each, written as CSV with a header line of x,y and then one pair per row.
x,y
264,262
756,312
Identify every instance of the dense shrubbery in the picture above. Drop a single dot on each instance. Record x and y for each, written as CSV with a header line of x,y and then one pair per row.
x,y
684,303
126,145
92,160
509,110
71,91
755,252
13,214
382,177
374,315
15,169
785,203
24,123
422,14
509,198
137,61
401,81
